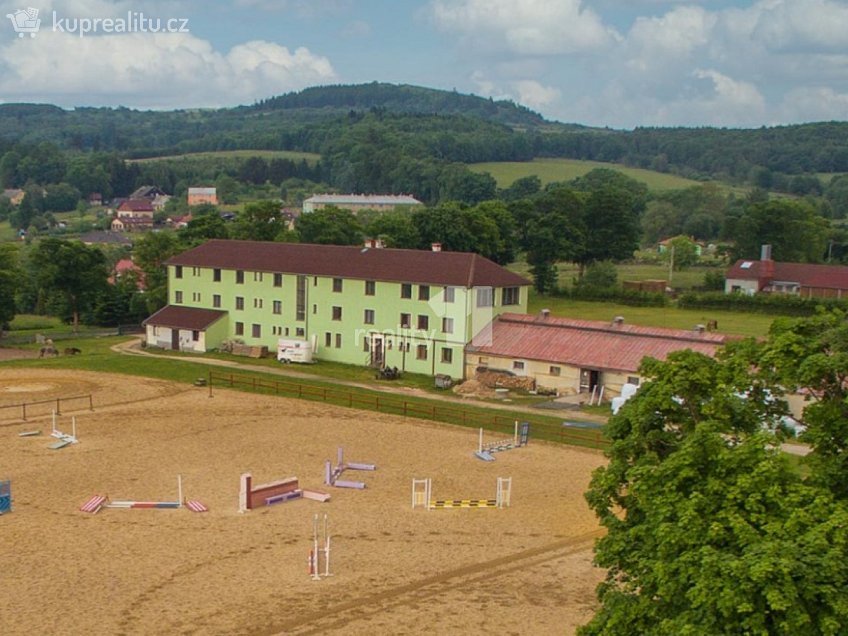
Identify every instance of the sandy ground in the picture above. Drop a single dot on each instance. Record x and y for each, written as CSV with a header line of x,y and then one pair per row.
x,y
524,569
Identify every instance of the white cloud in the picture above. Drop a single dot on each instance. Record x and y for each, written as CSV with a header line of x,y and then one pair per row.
x,y
668,39
152,70
530,27
301,8
534,94
818,103
801,24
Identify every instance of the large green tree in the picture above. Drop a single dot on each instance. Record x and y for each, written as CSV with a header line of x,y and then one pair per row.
x,y
9,277
70,271
329,225
793,229
709,529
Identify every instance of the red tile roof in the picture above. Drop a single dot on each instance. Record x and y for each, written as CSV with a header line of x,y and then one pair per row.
x,y
459,269
136,205
589,343
807,274
192,318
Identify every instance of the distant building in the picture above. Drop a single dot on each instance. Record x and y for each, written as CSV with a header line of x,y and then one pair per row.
x,y
14,195
132,224
126,266
357,202
800,279
199,196
95,199
148,192
136,208
100,237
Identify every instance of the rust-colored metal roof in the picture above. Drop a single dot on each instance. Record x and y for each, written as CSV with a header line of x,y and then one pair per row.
x,y
589,343
805,274
175,317
460,269
136,205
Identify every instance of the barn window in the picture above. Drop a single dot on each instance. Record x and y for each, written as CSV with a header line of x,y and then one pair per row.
x,y
517,365
195,335
555,370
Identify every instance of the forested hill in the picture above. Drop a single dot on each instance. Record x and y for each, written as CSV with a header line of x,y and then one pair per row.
x,y
402,123
405,98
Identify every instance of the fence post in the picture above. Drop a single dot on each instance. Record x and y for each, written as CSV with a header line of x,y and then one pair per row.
x,y
210,383
90,403
23,406
404,408
350,399
300,390
58,408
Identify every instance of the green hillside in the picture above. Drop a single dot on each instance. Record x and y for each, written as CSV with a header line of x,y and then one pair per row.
x,y
549,170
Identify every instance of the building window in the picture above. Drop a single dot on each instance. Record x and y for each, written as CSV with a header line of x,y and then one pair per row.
x,y
178,297
517,365
195,297
257,277
337,313
370,288
178,271
484,296
278,306
328,339
337,285
338,341
278,280
406,321
633,379
366,344
315,281
256,330
239,302
447,325
216,275
239,277
195,335
423,292
239,328
510,295
555,371
423,322
314,309
300,313
195,271
421,352
216,300
300,332
406,290
369,316
257,303
447,355
450,294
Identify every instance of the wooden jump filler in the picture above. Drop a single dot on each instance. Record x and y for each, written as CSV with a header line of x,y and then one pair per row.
x,y
96,502
279,491
331,474
422,496
317,550
485,451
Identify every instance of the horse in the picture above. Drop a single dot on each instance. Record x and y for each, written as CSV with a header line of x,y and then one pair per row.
x,y
50,351
71,351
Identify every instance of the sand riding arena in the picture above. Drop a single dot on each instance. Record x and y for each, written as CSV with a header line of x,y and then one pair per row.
x,y
522,569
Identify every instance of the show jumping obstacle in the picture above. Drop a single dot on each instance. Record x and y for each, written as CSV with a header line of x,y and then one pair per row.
x,y
422,496
96,502
331,474
64,438
314,560
279,491
5,497
519,439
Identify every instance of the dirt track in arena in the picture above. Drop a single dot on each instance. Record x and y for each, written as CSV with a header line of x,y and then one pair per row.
x,y
524,569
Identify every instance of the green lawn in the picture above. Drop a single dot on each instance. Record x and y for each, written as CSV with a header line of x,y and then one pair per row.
x,y
548,170
311,157
734,323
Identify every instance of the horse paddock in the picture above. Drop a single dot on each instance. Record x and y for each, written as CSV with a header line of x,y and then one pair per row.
x,y
522,569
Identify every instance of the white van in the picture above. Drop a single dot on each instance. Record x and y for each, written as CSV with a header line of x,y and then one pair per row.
x,y
294,351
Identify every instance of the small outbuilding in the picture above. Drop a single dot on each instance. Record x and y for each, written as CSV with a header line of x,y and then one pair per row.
x,y
186,328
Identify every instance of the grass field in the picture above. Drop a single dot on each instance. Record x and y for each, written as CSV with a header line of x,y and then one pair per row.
x,y
548,170
311,157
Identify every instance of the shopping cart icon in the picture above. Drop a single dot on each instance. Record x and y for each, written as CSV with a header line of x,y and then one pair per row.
x,y
25,21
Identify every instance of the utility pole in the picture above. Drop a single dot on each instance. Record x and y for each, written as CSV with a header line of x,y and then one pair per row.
x,y
671,265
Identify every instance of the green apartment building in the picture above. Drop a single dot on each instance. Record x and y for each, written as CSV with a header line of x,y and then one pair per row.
x,y
411,309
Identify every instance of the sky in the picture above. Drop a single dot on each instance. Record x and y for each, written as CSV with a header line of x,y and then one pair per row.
x,y
615,63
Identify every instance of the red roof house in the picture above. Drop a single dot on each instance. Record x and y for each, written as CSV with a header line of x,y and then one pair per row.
x,y
804,279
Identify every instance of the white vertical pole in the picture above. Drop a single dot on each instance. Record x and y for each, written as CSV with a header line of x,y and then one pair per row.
x,y
180,490
74,427
515,435
480,444
326,547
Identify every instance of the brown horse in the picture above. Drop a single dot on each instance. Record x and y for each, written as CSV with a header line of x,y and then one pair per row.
x,y
47,351
71,351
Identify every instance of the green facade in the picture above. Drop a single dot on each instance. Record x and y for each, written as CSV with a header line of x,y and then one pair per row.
x,y
349,320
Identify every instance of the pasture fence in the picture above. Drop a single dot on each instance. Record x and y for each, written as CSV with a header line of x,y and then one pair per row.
x,y
41,408
541,428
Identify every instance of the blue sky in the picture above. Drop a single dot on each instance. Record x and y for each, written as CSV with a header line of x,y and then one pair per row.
x,y
617,63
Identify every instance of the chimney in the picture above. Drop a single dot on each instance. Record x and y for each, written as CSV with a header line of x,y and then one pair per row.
x,y
545,314
618,321
375,243
766,267
436,247
765,253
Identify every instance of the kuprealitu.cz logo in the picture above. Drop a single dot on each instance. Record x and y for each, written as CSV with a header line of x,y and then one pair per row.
x,y
26,21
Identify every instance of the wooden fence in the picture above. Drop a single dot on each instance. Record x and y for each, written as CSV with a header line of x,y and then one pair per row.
x,y
41,408
423,409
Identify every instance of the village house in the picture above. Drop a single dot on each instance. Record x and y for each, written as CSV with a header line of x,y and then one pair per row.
x,y
199,196
411,309
357,202
577,356
807,280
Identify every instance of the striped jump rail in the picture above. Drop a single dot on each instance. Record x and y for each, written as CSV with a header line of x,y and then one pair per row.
x,y
464,503
93,505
